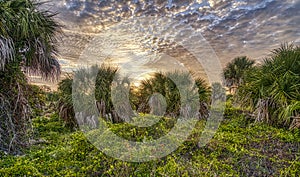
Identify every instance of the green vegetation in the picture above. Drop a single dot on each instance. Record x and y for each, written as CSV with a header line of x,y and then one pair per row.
x,y
160,83
27,45
164,84
39,135
105,75
65,104
271,90
239,148
235,70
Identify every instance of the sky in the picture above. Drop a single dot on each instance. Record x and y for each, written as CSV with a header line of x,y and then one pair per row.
x,y
199,36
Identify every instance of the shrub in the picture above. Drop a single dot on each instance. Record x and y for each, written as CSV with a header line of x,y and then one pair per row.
x,y
87,96
164,85
234,72
271,90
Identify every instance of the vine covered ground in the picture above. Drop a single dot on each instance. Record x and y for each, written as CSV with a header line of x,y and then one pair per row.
x,y
239,148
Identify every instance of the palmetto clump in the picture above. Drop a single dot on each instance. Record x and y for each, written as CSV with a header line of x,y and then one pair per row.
x,y
272,90
234,72
179,92
94,93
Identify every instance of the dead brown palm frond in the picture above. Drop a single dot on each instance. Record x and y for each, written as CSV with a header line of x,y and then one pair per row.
x,y
7,51
15,118
262,111
295,123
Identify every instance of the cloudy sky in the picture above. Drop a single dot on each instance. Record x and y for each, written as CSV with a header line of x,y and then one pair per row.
x,y
195,35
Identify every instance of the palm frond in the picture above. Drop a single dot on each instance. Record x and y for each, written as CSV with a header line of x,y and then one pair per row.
x,y
7,51
32,36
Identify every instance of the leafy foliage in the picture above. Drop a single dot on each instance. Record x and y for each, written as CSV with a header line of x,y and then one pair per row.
x,y
164,84
19,103
15,113
65,104
104,76
28,37
234,71
239,148
271,90
27,45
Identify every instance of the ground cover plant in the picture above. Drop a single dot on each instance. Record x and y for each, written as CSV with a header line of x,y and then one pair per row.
x,y
239,148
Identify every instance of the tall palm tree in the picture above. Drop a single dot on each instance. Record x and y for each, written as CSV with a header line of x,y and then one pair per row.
x,y
234,71
27,46
28,38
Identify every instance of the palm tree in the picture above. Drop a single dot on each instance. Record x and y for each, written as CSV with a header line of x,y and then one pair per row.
x,y
271,90
65,103
164,84
234,72
28,37
97,87
27,46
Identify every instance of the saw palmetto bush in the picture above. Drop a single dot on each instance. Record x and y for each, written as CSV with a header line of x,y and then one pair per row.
x,y
27,46
234,72
168,86
65,104
272,90
97,87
